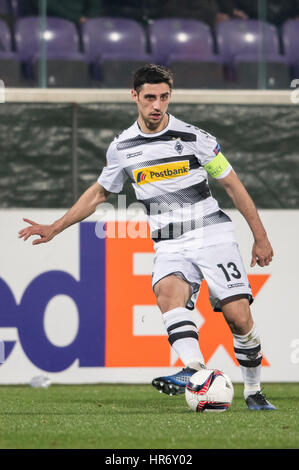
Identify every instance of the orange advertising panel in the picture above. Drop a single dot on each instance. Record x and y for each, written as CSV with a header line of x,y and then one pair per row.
x,y
124,290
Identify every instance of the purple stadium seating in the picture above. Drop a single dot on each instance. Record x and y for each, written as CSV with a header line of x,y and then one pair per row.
x,y
5,37
180,38
243,44
113,36
61,38
290,38
246,37
187,47
9,62
61,47
114,46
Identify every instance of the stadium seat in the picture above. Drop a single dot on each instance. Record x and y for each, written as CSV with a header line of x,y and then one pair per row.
x,y
114,47
187,47
251,48
10,70
290,40
66,66
243,44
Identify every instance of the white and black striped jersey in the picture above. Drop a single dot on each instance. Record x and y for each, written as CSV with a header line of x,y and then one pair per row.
x,y
169,173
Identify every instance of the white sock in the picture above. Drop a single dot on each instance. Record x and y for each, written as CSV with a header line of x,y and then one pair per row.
x,y
183,336
248,353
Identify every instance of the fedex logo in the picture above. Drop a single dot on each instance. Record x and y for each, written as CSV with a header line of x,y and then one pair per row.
x,y
114,300
88,293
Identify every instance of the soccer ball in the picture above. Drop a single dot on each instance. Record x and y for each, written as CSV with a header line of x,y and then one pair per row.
x,y
209,390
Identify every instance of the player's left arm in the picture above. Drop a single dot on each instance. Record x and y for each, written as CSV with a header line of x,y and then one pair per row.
x,y
262,251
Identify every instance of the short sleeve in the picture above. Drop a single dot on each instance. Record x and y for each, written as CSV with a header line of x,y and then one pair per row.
x,y
211,157
113,176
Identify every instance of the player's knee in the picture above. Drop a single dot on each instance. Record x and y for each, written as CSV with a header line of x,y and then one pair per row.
x,y
171,293
167,301
238,316
240,325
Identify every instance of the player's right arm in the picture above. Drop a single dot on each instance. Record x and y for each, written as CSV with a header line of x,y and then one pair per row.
x,y
83,208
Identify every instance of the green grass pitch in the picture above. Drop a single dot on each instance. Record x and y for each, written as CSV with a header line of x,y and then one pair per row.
x,y
138,417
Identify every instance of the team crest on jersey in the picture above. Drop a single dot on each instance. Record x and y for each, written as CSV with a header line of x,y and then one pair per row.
x,y
150,174
178,147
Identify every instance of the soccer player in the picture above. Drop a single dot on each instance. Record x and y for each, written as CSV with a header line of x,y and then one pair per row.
x,y
168,162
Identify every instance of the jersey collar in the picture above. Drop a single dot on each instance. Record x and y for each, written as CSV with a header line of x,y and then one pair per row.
x,y
155,134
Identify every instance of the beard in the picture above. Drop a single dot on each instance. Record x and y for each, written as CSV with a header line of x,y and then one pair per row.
x,y
152,124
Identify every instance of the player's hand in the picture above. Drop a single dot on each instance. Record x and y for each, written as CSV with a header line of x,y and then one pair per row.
x,y
262,253
46,232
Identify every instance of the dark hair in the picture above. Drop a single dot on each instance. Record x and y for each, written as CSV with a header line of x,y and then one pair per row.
x,y
152,73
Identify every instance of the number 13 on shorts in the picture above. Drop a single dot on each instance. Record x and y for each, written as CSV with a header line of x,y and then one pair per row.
x,y
228,276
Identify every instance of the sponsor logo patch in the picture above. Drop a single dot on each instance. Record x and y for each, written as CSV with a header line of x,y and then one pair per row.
x,y
161,172
133,155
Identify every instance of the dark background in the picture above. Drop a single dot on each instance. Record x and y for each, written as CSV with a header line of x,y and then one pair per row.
x,y
260,141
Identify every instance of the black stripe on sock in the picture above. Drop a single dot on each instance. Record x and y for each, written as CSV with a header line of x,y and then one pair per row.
x,y
248,351
179,324
184,334
250,362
